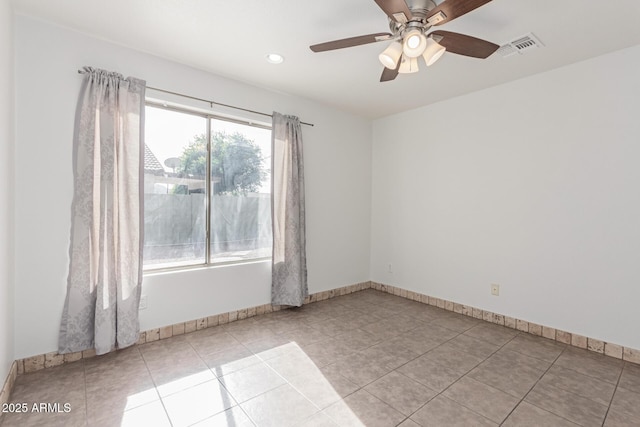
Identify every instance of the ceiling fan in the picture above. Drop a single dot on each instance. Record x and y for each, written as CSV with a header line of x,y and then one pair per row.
x,y
409,23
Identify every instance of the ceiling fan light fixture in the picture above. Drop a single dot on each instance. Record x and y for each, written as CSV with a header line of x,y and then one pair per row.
x,y
391,55
408,65
433,51
414,44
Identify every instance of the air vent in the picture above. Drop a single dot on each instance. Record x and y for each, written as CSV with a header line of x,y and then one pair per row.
x,y
520,45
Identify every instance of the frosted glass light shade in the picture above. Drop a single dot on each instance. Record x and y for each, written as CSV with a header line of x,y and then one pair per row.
x,y
414,44
408,65
433,51
391,55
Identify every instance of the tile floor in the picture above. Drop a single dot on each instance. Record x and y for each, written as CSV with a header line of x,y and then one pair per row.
x,y
364,359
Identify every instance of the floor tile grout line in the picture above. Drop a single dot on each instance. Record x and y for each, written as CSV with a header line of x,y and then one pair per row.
x,y
528,336
86,395
586,375
591,376
225,387
485,359
362,388
265,361
281,385
409,361
155,386
238,404
217,379
553,413
615,390
533,386
577,394
464,375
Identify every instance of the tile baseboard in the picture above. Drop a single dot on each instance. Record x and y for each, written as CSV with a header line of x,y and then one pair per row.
x,y
7,387
575,340
49,360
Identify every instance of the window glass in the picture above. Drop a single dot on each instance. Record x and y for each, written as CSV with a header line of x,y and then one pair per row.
x,y
177,203
240,192
174,190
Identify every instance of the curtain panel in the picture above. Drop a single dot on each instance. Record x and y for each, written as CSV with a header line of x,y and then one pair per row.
x,y
289,264
105,266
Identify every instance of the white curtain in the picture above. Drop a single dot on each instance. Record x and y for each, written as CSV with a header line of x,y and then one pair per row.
x,y
289,265
105,267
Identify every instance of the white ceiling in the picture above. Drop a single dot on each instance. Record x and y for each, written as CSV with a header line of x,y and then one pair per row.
x,y
231,38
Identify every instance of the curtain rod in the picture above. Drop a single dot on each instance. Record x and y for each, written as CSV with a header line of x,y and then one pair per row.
x,y
211,103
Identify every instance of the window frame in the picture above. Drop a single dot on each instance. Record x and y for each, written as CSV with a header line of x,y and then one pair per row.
x,y
208,117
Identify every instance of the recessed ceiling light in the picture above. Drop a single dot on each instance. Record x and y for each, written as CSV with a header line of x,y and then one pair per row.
x,y
275,58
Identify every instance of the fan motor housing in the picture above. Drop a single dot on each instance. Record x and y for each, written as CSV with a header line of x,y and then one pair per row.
x,y
420,8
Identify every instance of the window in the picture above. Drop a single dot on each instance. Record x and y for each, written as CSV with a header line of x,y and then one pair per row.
x,y
207,189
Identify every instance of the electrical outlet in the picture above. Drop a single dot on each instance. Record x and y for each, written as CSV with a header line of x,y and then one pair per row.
x,y
389,269
495,289
143,303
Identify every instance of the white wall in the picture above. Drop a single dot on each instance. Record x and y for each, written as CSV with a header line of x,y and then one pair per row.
x,y
338,185
6,194
532,185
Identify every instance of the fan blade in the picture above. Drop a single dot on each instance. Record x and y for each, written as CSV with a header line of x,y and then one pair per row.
x,y
389,74
465,45
351,41
394,7
455,8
